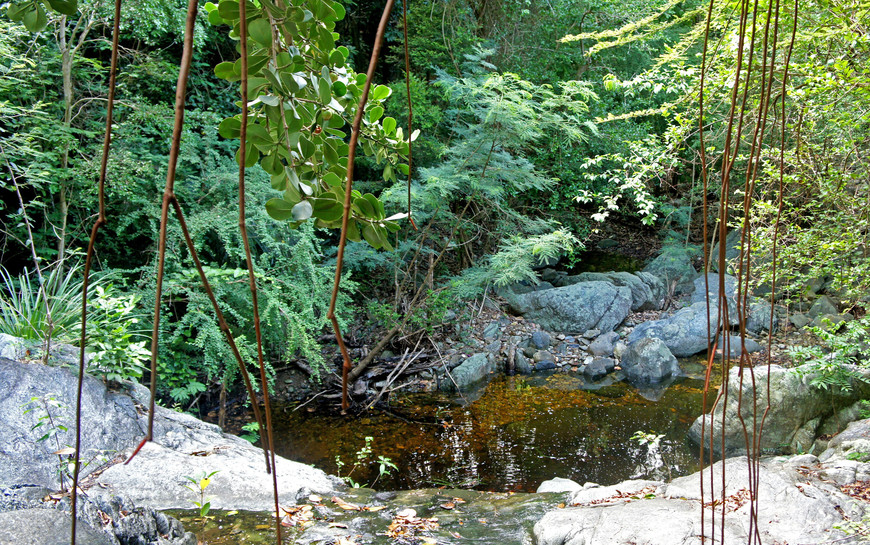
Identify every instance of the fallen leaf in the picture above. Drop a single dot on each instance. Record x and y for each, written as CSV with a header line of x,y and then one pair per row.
x,y
374,507
314,498
65,451
407,513
347,506
448,505
457,535
428,541
345,541
267,526
337,525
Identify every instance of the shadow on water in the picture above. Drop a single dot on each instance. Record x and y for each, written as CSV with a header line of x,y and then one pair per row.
x,y
511,435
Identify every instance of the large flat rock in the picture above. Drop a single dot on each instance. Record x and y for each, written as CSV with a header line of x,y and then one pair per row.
x,y
793,507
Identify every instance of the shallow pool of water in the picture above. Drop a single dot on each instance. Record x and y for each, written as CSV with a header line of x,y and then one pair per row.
x,y
510,436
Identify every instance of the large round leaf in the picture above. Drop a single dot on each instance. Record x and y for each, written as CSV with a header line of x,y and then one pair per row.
x,y
302,211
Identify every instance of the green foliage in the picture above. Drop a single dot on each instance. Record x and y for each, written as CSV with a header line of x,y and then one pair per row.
x,y
834,361
252,432
302,95
25,308
117,351
514,262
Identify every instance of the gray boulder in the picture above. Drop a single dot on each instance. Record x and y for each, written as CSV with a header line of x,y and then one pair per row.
x,y
735,345
540,340
649,360
575,308
797,409
759,317
113,423
674,267
558,484
599,367
732,251
603,344
12,348
657,288
684,332
793,508
473,369
710,289
642,295
522,364
823,306
46,527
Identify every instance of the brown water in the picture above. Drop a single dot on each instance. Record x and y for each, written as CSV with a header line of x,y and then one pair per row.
x,y
510,436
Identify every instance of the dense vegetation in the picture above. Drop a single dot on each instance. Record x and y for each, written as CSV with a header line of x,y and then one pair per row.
x,y
543,125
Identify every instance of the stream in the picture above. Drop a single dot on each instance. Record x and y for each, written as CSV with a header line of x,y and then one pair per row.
x,y
509,435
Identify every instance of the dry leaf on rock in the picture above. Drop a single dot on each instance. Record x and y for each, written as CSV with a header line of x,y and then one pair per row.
x,y
347,506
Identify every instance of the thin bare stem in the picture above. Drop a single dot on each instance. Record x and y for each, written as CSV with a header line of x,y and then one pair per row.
x,y
354,138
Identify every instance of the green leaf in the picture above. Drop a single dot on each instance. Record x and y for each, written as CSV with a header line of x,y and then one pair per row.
x,y
259,136
230,128
336,59
302,211
381,92
332,180
325,90
371,236
364,207
215,19
328,209
229,10
65,7
375,113
306,148
272,164
261,32
353,231
377,206
279,209
339,89
227,71
35,20
389,125
339,11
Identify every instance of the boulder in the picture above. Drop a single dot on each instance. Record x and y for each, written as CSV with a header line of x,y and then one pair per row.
x,y
540,340
710,289
112,423
649,360
684,332
793,508
46,527
734,345
521,363
12,348
823,306
603,344
853,441
732,251
599,367
575,308
642,296
797,409
473,369
558,484
758,320
674,267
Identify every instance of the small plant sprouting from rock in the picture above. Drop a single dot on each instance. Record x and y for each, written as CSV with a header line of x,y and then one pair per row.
x,y
252,430
385,465
201,483
48,424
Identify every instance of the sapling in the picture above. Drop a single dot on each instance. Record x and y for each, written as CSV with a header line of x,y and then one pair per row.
x,y
201,484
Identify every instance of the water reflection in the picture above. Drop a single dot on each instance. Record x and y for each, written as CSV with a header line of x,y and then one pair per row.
x,y
519,432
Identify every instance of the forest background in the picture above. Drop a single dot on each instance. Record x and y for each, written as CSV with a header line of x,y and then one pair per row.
x,y
544,127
